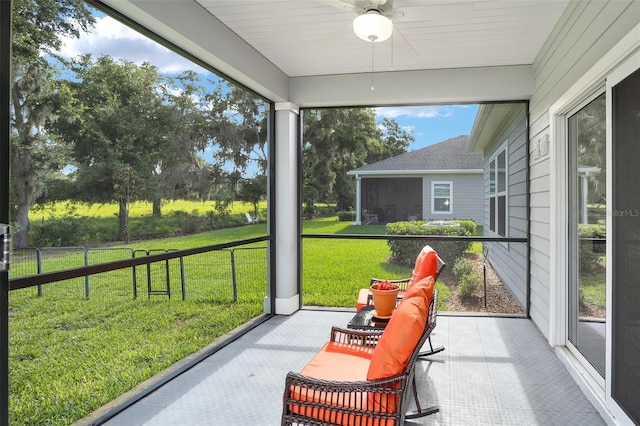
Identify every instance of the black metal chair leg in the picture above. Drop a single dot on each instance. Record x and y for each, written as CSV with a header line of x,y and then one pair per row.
x,y
432,351
419,411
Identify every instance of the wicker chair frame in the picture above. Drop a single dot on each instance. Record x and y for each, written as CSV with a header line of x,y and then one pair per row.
x,y
344,396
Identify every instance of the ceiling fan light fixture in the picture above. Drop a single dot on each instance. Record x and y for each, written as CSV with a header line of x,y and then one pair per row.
x,y
372,26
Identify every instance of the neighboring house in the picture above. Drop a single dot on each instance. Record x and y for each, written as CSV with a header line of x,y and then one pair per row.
x,y
440,181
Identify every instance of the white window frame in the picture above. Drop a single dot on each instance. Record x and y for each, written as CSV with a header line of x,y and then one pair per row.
x,y
433,197
493,196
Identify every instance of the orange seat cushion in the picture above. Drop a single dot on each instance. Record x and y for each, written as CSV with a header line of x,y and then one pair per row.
x,y
336,362
336,416
426,265
339,362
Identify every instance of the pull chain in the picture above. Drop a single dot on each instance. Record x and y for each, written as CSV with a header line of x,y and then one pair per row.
x,y
372,87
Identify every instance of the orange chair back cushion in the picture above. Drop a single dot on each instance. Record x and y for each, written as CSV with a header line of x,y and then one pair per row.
x,y
426,265
403,332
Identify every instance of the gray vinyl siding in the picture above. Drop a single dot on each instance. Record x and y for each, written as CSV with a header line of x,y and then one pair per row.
x,y
467,201
509,260
584,34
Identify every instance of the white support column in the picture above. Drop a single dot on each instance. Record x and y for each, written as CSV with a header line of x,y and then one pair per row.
x,y
286,239
358,200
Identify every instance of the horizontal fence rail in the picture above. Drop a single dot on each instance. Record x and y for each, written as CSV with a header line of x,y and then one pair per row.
x,y
77,272
221,272
417,237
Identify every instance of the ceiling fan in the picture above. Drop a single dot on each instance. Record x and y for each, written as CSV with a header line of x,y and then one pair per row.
x,y
374,20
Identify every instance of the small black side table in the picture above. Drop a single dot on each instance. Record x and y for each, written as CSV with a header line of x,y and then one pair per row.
x,y
364,320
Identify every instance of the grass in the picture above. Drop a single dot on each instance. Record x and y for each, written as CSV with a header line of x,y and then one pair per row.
x,y
69,355
81,224
138,208
333,271
593,288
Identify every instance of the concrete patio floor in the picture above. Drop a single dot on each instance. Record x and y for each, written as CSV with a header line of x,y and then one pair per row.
x,y
494,371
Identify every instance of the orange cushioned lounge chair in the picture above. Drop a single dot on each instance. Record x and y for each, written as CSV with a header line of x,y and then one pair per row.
x,y
428,263
362,378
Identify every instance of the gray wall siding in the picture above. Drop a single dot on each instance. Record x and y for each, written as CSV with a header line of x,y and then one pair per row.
x,y
585,33
467,197
509,260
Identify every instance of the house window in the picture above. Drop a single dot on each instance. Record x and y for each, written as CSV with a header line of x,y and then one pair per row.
x,y
441,194
498,193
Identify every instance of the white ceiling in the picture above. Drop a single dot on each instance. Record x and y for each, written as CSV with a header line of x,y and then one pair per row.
x,y
314,37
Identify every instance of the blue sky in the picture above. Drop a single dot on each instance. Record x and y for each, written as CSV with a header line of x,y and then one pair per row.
x,y
433,124
428,124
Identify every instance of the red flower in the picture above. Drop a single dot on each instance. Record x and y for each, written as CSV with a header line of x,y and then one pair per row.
x,y
386,285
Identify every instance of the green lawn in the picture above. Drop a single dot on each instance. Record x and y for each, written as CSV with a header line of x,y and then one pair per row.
x,y
69,355
593,288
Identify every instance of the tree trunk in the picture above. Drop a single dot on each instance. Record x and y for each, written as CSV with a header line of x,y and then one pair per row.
x,y
157,206
28,187
123,220
20,232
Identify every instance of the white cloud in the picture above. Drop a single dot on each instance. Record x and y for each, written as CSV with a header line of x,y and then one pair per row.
x,y
416,111
110,37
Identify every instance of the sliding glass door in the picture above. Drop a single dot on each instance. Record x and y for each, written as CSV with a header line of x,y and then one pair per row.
x,y
587,203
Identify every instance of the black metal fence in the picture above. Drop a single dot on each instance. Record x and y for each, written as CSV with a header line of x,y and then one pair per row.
x,y
219,275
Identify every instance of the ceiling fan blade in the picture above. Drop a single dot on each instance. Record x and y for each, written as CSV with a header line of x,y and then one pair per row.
x,y
401,45
339,35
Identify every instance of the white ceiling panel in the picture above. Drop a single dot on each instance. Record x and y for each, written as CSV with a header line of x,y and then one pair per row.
x,y
315,37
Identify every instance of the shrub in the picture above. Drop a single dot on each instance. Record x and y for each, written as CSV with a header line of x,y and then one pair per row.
x,y
406,251
468,284
590,251
347,216
314,211
62,232
462,267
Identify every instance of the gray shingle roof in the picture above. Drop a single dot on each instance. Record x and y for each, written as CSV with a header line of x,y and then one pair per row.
x,y
447,155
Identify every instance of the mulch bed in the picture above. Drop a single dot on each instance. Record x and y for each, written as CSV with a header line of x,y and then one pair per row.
x,y
499,299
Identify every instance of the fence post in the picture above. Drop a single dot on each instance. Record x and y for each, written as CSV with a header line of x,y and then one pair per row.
x,y
182,283
39,268
148,277
133,277
484,274
86,277
233,275
167,271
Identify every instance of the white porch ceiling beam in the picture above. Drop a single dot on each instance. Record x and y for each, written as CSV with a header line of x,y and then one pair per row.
x,y
463,85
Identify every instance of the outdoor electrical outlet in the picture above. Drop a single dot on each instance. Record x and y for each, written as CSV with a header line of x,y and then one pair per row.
x,y
544,144
535,152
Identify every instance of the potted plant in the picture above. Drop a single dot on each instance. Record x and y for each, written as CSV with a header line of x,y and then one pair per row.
x,y
385,295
